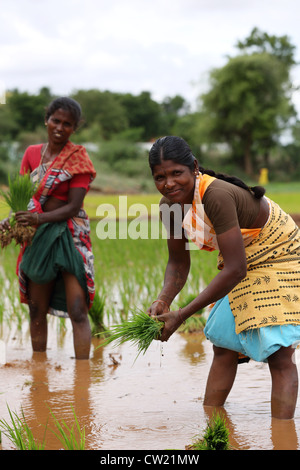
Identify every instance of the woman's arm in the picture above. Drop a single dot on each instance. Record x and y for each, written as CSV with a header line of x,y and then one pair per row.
x,y
176,274
231,246
63,212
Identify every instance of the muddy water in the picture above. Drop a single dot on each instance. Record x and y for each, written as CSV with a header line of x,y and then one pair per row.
x,y
154,403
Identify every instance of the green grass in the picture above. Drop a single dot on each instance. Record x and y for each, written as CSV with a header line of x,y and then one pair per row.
x,y
287,195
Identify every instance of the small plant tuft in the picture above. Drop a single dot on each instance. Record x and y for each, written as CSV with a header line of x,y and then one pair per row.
x,y
216,436
19,433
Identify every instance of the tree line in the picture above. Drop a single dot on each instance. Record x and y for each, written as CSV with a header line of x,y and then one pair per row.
x,y
239,122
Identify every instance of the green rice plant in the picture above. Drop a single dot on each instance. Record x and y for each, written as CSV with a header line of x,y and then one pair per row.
x,y
19,433
20,191
140,329
67,435
96,315
216,436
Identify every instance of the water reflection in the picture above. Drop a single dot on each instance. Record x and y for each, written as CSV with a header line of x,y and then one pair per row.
x,y
155,402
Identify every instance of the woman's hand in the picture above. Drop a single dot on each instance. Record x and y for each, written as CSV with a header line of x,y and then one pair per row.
x,y
172,321
158,307
26,218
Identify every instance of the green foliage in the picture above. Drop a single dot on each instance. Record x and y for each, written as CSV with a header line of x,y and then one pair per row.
x,y
103,109
249,101
142,111
28,110
216,436
278,46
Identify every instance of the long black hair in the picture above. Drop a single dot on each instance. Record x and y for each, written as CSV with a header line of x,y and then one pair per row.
x,y
177,149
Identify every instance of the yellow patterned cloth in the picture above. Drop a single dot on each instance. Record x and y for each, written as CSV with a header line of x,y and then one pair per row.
x,y
270,293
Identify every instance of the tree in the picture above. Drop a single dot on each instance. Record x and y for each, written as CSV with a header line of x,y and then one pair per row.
x,y
102,108
143,112
278,46
173,108
249,102
28,110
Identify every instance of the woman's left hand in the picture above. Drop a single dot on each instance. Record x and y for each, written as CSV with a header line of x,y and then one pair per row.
x,y
172,321
26,218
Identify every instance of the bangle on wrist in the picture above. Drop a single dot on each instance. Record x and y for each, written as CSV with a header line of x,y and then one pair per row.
x,y
37,218
159,300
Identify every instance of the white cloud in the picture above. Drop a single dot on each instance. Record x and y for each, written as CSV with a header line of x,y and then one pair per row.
x,y
164,46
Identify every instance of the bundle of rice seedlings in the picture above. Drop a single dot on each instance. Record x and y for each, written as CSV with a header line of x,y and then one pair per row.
x,y
141,330
20,191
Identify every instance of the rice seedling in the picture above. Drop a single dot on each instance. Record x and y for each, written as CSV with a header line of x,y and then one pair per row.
x,y
216,436
20,190
140,329
19,433
96,315
67,435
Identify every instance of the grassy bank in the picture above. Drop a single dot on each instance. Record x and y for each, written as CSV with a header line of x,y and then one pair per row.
x,y
287,195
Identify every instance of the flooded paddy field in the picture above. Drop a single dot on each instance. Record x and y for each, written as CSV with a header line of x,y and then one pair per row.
x,y
152,403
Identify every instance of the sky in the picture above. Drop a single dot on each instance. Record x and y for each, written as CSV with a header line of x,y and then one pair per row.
x,y
166,47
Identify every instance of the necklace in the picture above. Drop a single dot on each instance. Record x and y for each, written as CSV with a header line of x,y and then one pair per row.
x,y
41,162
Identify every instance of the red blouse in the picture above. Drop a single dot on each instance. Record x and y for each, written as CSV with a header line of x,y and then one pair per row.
x,y
31,160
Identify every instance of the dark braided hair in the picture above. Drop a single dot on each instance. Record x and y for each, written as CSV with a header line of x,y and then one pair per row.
x,y
176,149
67,104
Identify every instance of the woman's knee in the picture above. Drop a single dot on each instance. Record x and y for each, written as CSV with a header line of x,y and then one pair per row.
x,y
223,354
78,310
282,359
37,311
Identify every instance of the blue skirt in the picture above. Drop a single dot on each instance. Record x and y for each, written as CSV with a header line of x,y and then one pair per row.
x,y
258,344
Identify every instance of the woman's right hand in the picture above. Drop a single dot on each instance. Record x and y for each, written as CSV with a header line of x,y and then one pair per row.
x,y
4,225
157,308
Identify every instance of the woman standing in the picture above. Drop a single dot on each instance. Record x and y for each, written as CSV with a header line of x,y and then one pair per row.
x,y
257,289
56,271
